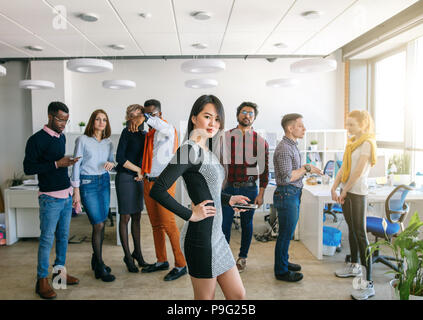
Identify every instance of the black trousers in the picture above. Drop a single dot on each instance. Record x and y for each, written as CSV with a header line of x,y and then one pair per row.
x,y
354,210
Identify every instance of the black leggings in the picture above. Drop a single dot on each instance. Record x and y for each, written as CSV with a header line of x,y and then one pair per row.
x,y
354,210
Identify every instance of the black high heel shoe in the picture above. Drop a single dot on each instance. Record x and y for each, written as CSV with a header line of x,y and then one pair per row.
x,y
100,272
140,260
130,264
94,263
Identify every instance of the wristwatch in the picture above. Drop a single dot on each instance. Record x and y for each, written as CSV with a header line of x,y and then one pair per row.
x,y
307,167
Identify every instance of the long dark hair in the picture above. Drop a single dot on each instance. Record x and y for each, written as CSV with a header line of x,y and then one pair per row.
x,y
215,144
196,110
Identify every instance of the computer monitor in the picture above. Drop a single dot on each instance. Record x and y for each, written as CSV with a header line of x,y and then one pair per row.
x,y
379,170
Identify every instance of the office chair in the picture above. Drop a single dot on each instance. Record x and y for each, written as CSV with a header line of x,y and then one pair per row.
x,y
396,211
332,208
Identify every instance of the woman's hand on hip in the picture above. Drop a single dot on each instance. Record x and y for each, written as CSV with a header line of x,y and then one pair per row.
x,y
201,211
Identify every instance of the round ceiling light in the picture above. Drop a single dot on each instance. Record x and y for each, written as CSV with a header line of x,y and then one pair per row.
x,y
280,45
313,65
201,83
311,15
88,17
146,15
201,15
119,84
3,71
282,83
200,45
117,46
203,66
34,48
89,65
36,84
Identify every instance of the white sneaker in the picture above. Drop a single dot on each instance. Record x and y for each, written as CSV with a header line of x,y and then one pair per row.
x,y
350,270
364,293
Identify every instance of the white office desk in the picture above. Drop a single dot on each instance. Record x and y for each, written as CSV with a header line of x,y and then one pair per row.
x,y
313,200
22,213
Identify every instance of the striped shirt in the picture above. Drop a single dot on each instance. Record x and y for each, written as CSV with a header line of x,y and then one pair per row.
x,y
286,159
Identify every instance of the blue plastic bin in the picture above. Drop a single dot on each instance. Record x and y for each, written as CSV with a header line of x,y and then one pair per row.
x,y
331,240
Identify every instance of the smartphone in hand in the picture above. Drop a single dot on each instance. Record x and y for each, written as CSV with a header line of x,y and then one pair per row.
x,y
245,206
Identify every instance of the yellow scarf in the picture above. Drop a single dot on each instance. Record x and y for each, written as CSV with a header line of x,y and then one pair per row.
x,y
351,146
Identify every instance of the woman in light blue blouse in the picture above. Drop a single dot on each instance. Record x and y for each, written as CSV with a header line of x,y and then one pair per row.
x,y
91,182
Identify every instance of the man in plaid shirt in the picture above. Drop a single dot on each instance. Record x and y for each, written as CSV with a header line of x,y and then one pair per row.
x,y
247,156
287,197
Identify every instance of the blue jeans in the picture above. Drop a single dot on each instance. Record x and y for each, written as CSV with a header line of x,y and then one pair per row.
x,y
286,200
246,218
55,217
95,196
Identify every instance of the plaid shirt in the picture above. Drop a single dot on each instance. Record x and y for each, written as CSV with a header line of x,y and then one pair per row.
x,y
249,157
286,159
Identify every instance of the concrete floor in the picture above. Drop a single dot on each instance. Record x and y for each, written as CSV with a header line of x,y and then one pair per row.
x,y
18,270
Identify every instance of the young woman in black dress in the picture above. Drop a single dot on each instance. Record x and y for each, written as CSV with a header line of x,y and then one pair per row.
x,y
206,251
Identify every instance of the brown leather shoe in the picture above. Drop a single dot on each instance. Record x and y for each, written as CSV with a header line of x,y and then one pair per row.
x,y
69,279
44,289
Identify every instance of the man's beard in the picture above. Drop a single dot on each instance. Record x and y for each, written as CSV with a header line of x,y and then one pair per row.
x,y
241,123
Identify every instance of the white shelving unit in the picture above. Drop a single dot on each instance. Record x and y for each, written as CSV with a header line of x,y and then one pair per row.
x,y
330,143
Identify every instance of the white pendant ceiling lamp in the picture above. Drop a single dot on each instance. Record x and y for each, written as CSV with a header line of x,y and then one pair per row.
x,y
203,66
88,65
313,65
201,83
3,71
282,83
36,84
119,84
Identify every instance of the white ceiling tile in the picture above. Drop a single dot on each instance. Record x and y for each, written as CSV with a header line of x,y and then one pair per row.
x,y
161,20
8,51
213,41
294,29
220,10
358,19
240,43
292,39
236,27
254,16
159,43
37,18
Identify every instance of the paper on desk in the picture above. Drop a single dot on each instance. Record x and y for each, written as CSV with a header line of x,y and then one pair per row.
x,y
23,187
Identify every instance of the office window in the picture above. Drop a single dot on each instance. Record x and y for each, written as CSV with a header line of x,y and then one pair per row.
x,y
389,97
417,95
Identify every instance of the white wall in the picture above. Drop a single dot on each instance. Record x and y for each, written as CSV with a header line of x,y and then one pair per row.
x,y
51,71
319,97
15,120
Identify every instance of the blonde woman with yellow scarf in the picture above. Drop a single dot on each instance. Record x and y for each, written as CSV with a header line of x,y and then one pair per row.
x,y
359,156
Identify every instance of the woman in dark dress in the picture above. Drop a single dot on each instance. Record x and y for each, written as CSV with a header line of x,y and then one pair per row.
x,y
206,250
130,189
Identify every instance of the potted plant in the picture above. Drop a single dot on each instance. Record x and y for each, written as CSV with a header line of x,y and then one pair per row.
x,y
399,167
313,145
81,126
17,180
407,248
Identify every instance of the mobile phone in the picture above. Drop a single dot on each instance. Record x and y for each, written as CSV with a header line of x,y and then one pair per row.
x,y
248,206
